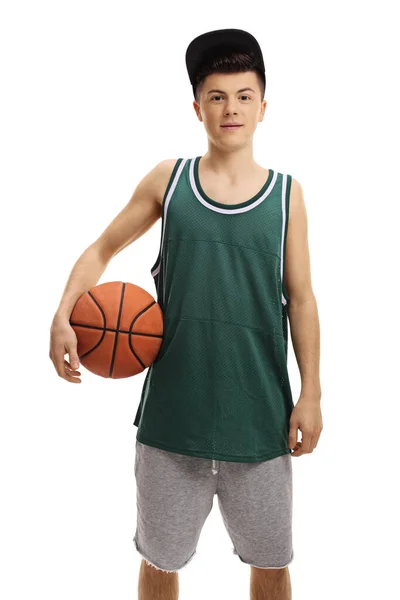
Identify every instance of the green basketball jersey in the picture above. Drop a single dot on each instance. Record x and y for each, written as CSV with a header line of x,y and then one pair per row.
x,y
219,387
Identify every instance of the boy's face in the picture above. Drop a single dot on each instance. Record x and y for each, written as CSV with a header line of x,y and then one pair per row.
x,y
225,97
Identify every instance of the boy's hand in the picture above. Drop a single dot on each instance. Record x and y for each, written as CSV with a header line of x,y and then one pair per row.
x,y
306,416
63,341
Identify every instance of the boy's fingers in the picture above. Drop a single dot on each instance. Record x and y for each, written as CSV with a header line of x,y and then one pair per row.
x,y
66,363
73,358
72,379
69,377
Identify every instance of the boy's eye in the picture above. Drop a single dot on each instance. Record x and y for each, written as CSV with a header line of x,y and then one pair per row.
x,y
243,96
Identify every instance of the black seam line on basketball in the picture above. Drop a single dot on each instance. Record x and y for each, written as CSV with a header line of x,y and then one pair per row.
x,y
117,332
104,326
136,355
146,308
114,330
141,312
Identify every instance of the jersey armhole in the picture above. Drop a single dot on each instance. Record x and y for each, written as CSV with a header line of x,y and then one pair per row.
x,y
163,213
285,216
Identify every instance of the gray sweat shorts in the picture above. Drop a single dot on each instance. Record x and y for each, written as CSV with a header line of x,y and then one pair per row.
x,y
175,495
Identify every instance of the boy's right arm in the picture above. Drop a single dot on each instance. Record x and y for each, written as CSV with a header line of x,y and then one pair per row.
x,y
138,216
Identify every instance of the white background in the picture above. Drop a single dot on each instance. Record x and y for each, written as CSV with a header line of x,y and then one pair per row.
x,y
94,94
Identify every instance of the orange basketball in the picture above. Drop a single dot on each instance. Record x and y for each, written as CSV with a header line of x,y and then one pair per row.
x,y
119,327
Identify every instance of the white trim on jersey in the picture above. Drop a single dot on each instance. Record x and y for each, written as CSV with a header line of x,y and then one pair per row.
x,y
228,211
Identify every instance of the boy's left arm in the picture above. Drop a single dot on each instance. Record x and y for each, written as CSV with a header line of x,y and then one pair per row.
x,y
304,327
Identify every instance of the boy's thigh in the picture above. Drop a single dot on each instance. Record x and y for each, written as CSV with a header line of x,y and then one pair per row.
x,y
256,501
174,497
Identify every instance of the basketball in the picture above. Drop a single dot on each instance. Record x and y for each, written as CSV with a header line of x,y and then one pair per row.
x,y
119,327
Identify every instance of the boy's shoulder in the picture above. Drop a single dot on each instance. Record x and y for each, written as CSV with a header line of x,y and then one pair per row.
x,y
164,170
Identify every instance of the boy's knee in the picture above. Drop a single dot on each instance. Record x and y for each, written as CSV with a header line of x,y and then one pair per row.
x,y
153,568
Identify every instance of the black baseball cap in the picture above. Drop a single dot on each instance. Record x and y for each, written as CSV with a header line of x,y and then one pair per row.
x,y
211,44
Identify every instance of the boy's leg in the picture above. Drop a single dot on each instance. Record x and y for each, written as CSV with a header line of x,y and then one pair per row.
x,y
270,584
157,585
